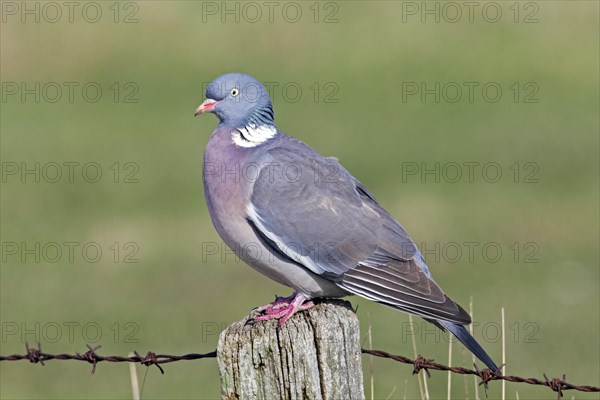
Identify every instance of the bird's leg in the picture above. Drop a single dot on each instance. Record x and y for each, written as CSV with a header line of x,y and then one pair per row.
x,y
284,307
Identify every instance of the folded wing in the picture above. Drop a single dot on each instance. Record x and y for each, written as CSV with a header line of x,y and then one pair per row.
x,y
314,212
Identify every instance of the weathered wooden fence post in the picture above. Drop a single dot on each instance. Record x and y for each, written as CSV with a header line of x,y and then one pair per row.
x,y
315,355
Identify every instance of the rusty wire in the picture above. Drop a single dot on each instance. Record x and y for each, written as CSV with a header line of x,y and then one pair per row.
x,y
486,375
35,355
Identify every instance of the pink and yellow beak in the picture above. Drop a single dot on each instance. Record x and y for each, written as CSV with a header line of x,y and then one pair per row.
x,y
207,106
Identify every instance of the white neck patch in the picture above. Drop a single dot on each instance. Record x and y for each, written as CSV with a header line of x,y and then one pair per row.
x,y
252,135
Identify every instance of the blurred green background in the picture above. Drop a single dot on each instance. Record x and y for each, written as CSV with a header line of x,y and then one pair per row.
x,y
354,62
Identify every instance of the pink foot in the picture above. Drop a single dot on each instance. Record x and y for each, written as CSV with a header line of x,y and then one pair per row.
x,y
278,303
283,308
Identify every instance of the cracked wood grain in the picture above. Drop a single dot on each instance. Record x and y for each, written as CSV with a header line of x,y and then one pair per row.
x,y
315,355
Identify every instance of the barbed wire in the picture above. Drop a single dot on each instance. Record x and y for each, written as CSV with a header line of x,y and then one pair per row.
x,y
486,375
36,355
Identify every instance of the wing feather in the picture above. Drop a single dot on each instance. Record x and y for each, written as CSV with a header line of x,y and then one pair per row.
x,y
330,224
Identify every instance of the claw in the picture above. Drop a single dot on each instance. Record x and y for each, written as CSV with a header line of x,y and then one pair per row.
x,y
283,308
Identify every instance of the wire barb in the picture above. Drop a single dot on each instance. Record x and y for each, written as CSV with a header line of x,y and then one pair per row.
x,y
421,363
35,355
486,375
149,360
556,385
91,356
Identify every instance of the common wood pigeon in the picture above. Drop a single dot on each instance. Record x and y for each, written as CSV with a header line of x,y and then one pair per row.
x,y
302,220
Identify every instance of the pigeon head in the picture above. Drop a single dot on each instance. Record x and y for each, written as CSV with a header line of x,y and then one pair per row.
x,y
238,101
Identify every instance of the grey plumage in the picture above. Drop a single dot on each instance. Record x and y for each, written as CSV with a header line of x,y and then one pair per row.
x,y
312,225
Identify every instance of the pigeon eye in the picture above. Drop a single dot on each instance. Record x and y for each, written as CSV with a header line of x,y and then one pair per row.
x,y
235,92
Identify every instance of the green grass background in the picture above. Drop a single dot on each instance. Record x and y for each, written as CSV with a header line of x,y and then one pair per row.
x,y
176,295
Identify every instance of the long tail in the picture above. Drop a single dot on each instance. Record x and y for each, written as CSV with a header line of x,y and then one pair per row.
x,y
469,341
